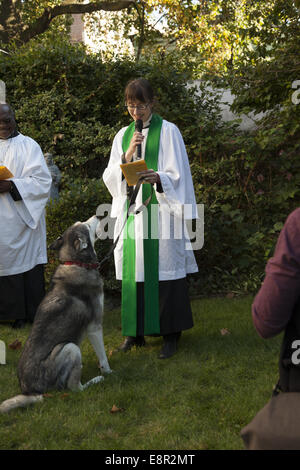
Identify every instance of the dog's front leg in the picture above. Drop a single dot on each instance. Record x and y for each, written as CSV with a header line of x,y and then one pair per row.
x,y
95,335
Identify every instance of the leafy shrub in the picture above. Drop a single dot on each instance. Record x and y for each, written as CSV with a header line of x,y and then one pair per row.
x,y
248,193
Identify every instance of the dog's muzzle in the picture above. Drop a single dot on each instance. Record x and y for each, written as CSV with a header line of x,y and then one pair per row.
x,y
92,224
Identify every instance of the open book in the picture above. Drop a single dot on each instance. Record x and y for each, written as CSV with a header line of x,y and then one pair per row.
x,y
5,173
131,169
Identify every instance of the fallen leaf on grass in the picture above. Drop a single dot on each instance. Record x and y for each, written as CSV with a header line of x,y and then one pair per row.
x,y
15,344
224,331
64,395
115,409
47,395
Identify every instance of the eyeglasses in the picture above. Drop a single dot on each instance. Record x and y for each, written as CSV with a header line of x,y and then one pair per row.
x,y
139,107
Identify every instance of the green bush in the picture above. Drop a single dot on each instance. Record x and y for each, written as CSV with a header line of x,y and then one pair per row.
x,y
248,192
73,104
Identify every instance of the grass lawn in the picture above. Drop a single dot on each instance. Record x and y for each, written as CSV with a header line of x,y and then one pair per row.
x,y
198,399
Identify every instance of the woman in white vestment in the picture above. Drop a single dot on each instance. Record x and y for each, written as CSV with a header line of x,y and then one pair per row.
x,y
153,255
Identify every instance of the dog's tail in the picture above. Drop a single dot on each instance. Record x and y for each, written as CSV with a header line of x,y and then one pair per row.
x,y
19,401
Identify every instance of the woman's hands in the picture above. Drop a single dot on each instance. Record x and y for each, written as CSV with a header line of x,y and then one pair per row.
x,y
137,139
150,176
5,186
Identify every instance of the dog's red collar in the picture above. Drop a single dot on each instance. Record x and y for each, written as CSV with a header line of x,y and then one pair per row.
x,y
82,265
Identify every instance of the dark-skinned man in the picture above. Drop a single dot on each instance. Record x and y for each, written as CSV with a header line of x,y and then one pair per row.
x,y
22,222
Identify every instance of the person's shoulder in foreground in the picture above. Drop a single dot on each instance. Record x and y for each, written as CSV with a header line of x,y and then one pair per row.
x,y
274,304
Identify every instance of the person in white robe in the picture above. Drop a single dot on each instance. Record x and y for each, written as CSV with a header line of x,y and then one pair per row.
x,y
175,196
23,197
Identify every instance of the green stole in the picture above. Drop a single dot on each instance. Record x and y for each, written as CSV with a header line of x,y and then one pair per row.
x,y
151,246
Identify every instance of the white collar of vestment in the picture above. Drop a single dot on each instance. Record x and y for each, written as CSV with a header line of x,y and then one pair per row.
x,y
147,123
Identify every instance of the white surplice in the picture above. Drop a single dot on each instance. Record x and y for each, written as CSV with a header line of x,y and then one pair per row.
x,y
22,223
176,258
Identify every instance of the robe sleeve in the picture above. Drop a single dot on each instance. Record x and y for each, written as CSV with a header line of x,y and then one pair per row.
x,y
33,184
175,174
112,175
274,304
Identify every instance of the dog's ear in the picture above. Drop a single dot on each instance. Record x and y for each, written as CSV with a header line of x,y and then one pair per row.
x,y
80,243
57,244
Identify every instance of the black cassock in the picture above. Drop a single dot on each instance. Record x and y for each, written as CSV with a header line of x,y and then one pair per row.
x,y
174,307
21,294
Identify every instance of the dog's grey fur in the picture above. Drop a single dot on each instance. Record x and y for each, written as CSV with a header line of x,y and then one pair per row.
x,y
73,307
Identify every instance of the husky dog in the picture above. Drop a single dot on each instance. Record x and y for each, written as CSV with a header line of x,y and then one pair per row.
x,y
73,307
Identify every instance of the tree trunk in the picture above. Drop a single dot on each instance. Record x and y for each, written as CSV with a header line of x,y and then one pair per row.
x,y
12,28
141,37
10,19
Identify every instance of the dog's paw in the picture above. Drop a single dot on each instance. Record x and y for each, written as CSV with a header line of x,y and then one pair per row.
x,y
105,369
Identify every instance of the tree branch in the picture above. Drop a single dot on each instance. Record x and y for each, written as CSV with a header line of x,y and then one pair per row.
x,y
43,22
